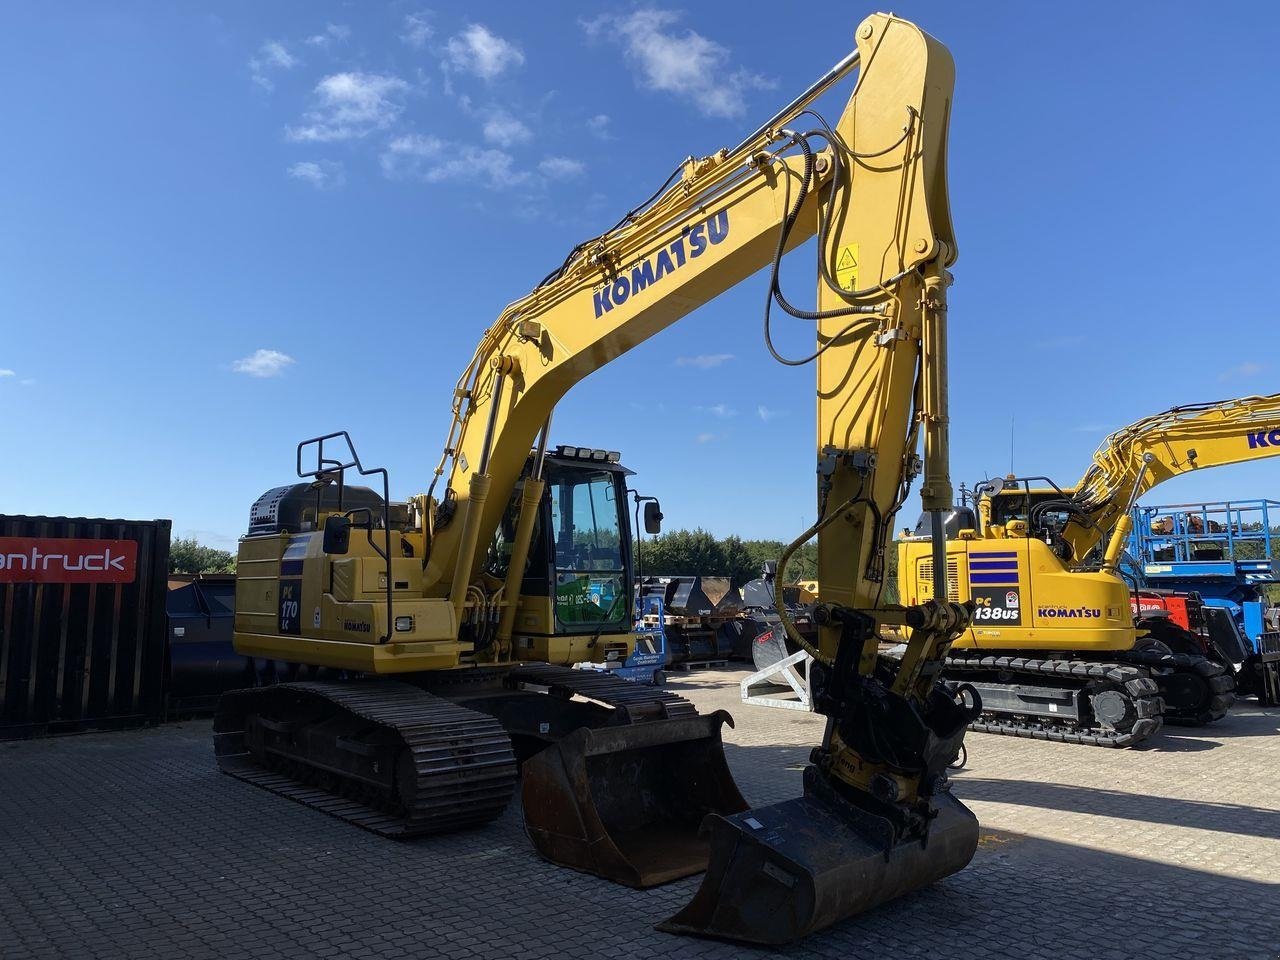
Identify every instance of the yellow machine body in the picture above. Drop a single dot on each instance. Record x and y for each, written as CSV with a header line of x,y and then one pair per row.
x,y
1029,595
1024,596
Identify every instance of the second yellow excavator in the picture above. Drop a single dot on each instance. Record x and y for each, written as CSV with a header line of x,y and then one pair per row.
x,y
1053,647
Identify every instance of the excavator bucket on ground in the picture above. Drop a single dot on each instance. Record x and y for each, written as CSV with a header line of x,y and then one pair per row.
x,y
780,872
625,803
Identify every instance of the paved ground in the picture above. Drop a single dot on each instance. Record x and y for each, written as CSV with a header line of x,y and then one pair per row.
x,y
131,846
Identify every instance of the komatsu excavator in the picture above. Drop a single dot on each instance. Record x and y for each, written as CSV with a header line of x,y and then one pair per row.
x,y
424,647
1053,648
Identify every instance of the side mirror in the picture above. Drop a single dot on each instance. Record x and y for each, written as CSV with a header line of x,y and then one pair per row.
x,y
337,535
652,517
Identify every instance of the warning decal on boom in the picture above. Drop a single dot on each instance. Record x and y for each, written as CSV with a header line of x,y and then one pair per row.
x,y
847,267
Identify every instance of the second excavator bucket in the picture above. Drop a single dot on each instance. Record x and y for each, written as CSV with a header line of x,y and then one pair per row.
x,y
780,872
625,803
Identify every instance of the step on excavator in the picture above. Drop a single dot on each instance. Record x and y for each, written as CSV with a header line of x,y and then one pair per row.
x,y
421,650
1054,648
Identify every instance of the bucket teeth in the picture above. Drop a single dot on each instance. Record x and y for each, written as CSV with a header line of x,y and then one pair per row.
x,y
625,803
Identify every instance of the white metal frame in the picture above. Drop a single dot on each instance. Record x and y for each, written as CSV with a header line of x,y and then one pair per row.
x,y
791,671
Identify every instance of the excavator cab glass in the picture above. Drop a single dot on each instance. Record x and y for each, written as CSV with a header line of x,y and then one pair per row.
x,y
586,526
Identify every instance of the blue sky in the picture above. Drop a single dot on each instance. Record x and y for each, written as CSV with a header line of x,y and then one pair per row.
x,y
226,227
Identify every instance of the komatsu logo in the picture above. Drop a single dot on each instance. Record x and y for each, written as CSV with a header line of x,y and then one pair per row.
x,y
1264,438
691,244
356,626
1069,613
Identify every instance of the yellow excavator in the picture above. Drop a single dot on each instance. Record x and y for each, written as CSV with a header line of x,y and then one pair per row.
x,y
422,651
1053,649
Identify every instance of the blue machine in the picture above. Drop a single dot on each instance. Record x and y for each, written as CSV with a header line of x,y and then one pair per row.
x,y
649,658
1224,551
1221,550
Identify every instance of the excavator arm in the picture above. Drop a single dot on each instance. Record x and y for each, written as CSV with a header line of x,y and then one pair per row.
x,y
1136,458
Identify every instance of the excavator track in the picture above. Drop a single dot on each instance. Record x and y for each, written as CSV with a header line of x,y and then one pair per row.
x,y
1195,690
638,703
383,755
1129,686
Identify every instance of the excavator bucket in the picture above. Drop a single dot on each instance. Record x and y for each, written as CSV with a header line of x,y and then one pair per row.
x,y
780,872
626,802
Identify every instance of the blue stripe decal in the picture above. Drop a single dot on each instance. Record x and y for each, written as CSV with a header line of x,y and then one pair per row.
x,y
993,565
995,579
996,555
291,568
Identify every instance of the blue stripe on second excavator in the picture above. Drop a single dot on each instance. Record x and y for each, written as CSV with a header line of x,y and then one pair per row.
x,y
995,569
995,579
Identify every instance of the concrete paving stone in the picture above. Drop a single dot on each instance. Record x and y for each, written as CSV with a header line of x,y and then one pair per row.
x,y
130,846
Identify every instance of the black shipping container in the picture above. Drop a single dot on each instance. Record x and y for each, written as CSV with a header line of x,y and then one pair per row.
x,y
82,623
203,663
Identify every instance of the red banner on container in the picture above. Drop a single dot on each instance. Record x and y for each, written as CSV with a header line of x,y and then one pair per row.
x,y
54,560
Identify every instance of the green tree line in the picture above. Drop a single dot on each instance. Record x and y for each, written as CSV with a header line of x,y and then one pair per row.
x,y
687,552
683,552
187,555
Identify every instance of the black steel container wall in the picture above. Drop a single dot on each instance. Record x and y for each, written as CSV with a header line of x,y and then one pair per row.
x,y
83,647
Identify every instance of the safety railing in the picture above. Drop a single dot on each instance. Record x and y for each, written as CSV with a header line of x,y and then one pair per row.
x,y
329,470
1240,532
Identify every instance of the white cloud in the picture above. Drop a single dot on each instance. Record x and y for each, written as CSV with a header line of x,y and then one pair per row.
x,y
263,363
599,126
272,55
705,437
7,373
417,29
1241,371
479,51
349,106
765,413
720,410
321,174
561,168
504,130
704,361
432,160
333,33
685,64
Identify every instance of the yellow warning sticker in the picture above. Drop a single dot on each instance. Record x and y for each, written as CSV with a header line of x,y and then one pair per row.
x,y
847,267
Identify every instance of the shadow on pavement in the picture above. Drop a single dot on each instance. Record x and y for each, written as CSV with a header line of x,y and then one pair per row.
x,y
1030,897
1221,817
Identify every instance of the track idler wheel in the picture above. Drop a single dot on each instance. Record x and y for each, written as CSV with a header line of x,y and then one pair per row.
x,y
781,872
1195,690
